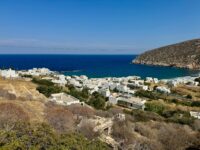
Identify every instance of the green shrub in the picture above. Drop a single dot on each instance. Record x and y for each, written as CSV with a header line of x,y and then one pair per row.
x,y
42,82
181,117
197,79
168,113
143,116
195,104
147,94
43,137
180,102
81,95
156,107
189,96
26,76
48,90
97,101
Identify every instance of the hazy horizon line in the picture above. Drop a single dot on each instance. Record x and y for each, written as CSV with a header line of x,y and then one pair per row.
x,y
61,54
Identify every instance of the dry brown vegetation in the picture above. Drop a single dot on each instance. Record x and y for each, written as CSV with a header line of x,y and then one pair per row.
x,y
10,114
19,90
188,90
135,132
153,135
84,111
141,129
86,128
59,118
170,136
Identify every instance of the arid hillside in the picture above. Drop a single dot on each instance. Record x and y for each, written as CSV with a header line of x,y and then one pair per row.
x,y
185,55
29,121
19,90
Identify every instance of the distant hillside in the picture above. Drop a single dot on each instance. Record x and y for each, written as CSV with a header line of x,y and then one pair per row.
x,y
185,55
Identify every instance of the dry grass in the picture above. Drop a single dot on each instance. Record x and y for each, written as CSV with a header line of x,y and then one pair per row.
x,y
34,109
23,94
23,90
188,90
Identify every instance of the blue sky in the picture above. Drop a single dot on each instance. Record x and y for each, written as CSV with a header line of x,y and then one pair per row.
x,y
95,26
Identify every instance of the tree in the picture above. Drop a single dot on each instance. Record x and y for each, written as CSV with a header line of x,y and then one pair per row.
x,y
42,82
155,106
97,101
48,90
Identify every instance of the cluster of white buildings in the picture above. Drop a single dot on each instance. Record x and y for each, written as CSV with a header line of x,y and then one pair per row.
x,y
36,72
9,73
116,90
188,80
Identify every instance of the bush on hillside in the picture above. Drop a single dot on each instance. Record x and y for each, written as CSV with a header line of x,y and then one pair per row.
x,y
26,76
48,90
97,101
195,104
42,82
147,94
42,137
155,106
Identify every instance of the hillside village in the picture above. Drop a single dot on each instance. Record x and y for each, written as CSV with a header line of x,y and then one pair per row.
x,y
116,90
173,100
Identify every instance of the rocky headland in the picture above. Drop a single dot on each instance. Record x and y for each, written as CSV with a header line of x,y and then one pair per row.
x,y
184,55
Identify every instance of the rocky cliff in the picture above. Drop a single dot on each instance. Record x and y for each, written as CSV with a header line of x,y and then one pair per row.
x,y
185,55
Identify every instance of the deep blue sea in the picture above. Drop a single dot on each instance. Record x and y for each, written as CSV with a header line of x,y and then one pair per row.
x,y
92,65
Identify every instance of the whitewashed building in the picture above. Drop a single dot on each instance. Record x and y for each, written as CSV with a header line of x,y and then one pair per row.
x,y
64,99
132,102
163,89
60,80
9,73
104,92
195,114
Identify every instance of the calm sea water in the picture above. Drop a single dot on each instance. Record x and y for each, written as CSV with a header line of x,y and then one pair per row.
x,y
91,65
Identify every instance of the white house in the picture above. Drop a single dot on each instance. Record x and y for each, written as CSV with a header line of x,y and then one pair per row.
x,y
163,89
104,92
113,85
173,83
84,77
149,80
145,87
64,99
9,73
122,88
38,71
112,99
132,102
75,83
195,114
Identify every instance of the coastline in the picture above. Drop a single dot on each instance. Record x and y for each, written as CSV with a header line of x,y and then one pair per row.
x,y
96,66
